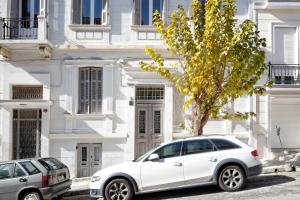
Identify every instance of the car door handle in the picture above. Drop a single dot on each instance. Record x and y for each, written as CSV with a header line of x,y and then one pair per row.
x,y
178,164
22,180
213,159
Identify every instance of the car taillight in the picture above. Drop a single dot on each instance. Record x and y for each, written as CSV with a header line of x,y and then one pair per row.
x,y
254,153
47,181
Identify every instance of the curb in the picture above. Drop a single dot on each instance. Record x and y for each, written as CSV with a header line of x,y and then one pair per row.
x,y
280,168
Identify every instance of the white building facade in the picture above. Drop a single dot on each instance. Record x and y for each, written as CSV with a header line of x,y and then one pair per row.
x,y
71,87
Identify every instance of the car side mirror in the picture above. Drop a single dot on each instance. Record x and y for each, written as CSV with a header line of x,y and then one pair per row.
x,y
153,157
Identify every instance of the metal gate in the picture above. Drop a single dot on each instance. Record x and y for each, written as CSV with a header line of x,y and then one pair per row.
x,y
27,133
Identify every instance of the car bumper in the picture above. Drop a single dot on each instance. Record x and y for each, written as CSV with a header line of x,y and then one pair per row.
x,y
58,189
255,170
96,193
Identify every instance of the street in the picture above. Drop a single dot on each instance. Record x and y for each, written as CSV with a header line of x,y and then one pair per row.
x,y
265,187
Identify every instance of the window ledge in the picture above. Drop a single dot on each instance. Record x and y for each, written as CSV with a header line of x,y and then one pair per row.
x,y
85,27
90,116
143,28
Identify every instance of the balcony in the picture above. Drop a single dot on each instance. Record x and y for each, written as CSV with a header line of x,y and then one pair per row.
x,y
19,29
285,75
27,34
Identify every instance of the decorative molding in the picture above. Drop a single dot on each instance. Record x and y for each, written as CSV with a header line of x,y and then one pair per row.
x,y
5,53
45,51
143,28
83,27
89,62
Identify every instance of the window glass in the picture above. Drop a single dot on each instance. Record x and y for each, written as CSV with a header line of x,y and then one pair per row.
x,y
98,12
29,167
18,172
168,151
156,6
86,11
7,170
51,163
222,144
197,146
144,12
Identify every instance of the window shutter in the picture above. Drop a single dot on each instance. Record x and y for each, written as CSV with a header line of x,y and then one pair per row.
x,y
136,12
84,90
105,12
164,12
96,90
286,50
76,12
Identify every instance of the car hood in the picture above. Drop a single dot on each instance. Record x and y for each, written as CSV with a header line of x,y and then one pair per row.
x,y
126,167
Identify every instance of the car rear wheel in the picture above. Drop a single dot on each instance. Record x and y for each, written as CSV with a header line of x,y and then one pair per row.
x,y
118,189
231,178
31,196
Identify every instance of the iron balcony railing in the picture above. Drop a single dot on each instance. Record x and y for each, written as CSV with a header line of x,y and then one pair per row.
x,y
284,74
19,29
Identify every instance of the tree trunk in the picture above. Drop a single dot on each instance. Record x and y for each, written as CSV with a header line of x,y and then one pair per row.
x,y
200,120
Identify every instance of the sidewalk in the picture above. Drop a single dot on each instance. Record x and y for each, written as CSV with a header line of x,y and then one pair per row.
x,y
284,163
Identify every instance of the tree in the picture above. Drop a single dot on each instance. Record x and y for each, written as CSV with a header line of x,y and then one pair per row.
x,y
217,61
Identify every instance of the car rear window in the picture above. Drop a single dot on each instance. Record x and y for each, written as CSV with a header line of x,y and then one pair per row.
x,y
52,163
30,168
222,144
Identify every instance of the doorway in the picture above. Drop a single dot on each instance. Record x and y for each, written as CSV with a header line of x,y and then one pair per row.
x,y
89,159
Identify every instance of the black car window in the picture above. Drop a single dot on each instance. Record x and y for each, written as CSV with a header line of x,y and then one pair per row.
x,y
30,168
197,146
7,170
52,163
18,171
222,144
168,151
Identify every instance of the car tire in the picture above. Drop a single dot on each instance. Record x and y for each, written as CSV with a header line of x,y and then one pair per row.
x,y
231,178
119,189
31,196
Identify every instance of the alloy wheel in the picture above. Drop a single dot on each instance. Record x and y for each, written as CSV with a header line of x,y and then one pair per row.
x,y
118,191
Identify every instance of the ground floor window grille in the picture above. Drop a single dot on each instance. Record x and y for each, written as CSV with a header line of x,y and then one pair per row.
x,y
27,133
27,92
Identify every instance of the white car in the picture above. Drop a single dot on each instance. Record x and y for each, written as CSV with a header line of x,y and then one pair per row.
x,y
214,160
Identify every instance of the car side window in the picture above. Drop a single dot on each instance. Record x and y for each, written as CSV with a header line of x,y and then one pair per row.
x,y
7,170
18,172
168,151
30,168
222,144
197,146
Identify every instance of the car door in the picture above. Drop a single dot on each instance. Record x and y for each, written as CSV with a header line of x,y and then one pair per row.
x,y
165,172
12,179
199,160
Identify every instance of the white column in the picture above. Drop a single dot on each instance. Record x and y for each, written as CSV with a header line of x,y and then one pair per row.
x,y
7,134
130,146
45,140
107,92
168,113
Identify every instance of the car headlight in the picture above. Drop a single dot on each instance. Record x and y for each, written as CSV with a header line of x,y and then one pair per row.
x,y
95,178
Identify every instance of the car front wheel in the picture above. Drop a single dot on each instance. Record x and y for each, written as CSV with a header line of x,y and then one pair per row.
x,y
118,189
31,196
231,178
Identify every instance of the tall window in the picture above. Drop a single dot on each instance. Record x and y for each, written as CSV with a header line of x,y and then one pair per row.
x,y
93,12
144,9
90,90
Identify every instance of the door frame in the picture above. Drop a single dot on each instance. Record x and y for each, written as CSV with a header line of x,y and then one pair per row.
x,y
89,149
154,103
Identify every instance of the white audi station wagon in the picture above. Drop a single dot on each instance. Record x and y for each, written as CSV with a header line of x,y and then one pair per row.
x,y
205,160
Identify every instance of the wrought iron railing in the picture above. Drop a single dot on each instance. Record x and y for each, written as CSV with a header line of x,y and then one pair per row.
x,y
284,74
20,28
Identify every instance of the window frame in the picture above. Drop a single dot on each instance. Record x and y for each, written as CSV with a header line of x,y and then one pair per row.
x,y
89,111
195,140
137,12
104,13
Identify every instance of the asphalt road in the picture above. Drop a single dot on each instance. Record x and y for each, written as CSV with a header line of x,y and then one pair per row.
x,y
279,186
